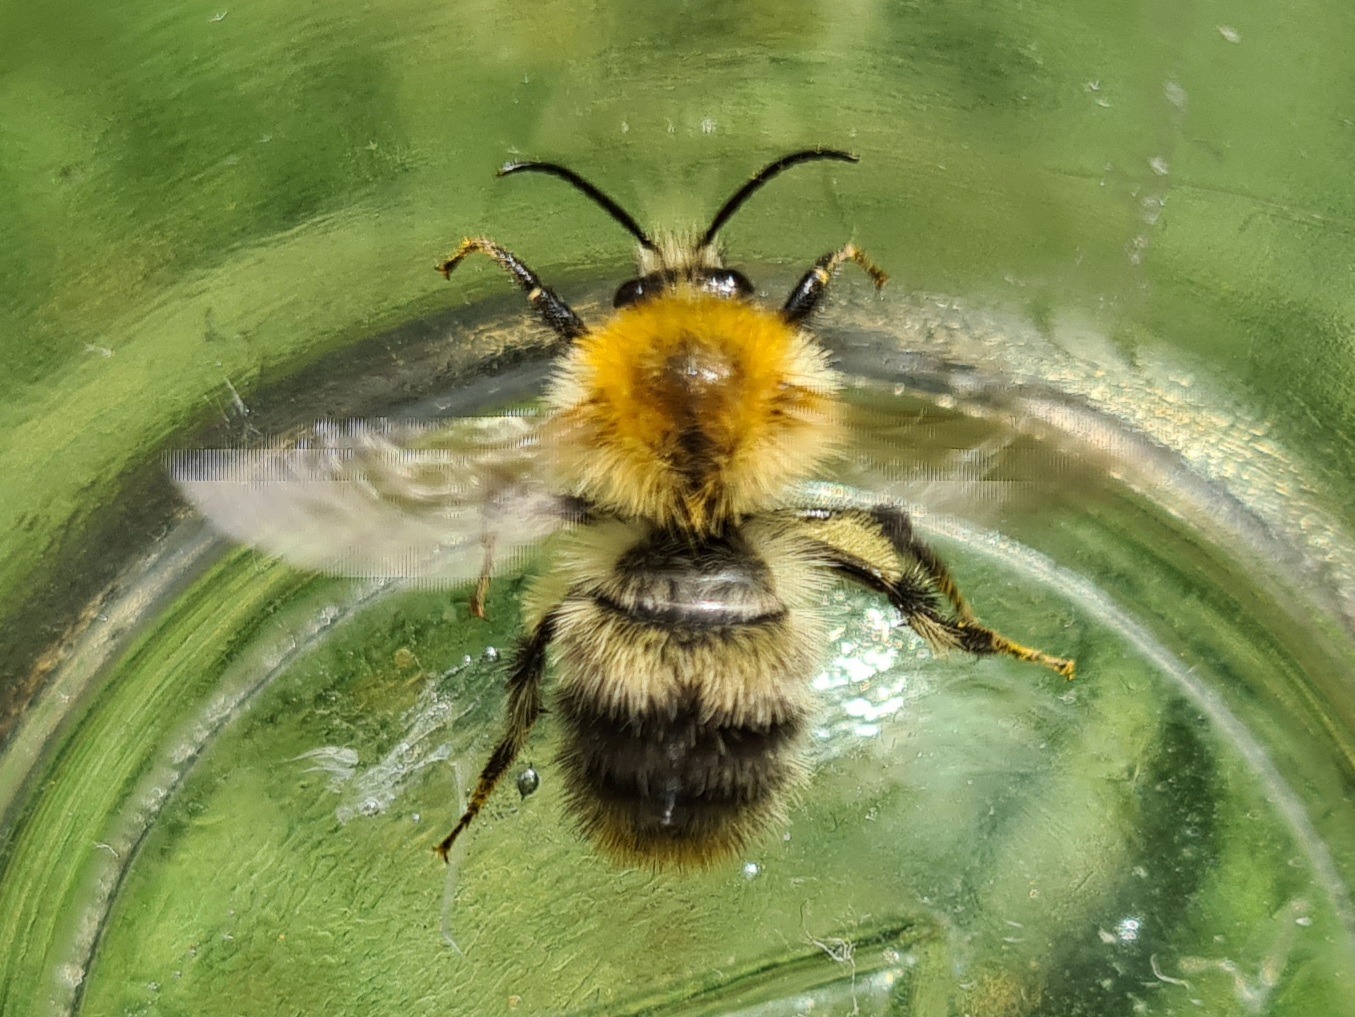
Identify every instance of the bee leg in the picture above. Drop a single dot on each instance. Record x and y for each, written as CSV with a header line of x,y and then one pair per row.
x,y
896,525
912,598
962,629
477,600
914,582
893,523
916,601
524,707
814,283
970,636
558,315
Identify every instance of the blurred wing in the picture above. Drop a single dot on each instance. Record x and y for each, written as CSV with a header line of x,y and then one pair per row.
x,y
439,502
966,459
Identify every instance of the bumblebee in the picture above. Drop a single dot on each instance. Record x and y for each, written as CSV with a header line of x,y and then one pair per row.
x,y
679,606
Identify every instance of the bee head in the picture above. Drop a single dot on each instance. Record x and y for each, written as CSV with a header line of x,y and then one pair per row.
x,y
679,261
673,260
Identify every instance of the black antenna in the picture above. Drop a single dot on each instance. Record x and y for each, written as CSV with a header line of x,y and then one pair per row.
x,y
569,176
761,177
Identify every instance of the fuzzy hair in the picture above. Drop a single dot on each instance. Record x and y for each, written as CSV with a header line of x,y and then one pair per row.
x,y
759,406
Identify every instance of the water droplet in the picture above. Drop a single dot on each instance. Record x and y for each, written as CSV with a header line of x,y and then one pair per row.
x,y
528,781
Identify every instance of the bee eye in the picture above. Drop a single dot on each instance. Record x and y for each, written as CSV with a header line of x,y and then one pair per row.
x,y
726,282
634,290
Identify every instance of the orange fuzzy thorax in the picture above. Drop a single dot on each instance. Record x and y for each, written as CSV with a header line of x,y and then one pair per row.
x,y
692,410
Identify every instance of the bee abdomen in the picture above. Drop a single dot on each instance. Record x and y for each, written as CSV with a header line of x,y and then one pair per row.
x,y
675,786
683,683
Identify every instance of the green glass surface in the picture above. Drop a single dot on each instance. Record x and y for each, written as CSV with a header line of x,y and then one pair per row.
x,y
1112,372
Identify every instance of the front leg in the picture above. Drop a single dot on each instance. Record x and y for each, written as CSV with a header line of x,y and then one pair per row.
x,y
558,315
814,283
877,548
524,707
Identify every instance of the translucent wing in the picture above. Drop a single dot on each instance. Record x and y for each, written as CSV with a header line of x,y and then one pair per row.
x,y
443,502
964,458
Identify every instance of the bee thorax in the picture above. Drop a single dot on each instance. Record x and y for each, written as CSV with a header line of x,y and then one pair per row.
x,y
689,410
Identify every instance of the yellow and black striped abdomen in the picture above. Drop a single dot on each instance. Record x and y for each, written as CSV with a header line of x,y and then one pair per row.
x,y
684,690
